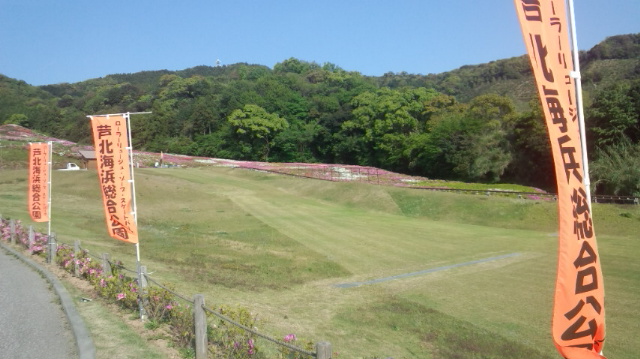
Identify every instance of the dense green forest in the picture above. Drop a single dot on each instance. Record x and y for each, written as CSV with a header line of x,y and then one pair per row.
x,y
478,123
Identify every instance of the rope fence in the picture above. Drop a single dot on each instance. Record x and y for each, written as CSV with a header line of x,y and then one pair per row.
x,y
90,263
151,280
263,336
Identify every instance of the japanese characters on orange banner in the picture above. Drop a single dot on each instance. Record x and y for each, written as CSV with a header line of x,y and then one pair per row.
x,y
110,138
38,193
578,316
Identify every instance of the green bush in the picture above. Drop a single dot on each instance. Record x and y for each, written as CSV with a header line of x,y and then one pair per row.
x,y
182,326
158,304
229,341
287,353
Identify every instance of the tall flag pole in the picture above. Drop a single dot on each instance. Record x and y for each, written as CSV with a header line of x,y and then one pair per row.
x,y
575,74
578,327
112,145
114,154
133,183
49,166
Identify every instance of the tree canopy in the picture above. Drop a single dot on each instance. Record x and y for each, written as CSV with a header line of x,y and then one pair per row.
x,y
476,123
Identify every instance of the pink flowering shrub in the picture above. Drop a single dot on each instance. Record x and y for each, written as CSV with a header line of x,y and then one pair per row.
x,y
287,353
65,258
158,304
87,268
116,286
122,289
228,341
40,241
5,230
181,325
39,245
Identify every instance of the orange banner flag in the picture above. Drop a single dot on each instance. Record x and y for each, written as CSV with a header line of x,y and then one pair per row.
x,y
578,315
38,193
111,138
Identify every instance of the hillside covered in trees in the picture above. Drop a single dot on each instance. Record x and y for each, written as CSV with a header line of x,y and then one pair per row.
x,y
477,123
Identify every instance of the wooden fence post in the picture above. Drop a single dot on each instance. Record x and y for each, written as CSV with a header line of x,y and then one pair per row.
x,y
12,233
32,237
323,350
51,248
200,323
106,266
76,253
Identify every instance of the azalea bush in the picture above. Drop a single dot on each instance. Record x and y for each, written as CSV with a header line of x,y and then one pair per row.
x,y
159,304
119,287
5,230
287,353
182,326
65,258
114,285
40,240
87,268
228,340
39,244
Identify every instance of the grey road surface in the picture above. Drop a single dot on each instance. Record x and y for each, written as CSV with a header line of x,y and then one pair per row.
x,y
32,323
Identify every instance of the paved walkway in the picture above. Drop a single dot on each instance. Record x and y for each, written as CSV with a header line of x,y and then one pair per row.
x,y
32,322
413,274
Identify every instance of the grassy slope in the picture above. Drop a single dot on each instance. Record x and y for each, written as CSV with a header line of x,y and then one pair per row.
x,y
278,245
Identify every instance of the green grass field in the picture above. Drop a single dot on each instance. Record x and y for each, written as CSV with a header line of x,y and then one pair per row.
x,y
280,245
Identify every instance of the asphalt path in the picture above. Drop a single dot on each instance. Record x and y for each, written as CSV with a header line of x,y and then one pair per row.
x,y
32,322
426,271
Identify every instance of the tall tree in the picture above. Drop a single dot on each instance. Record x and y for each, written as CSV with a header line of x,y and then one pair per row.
x,y
486,150
617,169
383,121
471,142
532,160
255,129
613,115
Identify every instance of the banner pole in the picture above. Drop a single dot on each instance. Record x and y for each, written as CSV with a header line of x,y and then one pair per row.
x,y
134,207
575,74
120,227
579,104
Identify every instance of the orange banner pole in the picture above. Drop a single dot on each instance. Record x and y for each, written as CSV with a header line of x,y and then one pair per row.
x,y
39,173
111,141
578,326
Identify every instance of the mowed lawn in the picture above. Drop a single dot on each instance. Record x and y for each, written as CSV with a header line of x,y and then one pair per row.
x,y
281,246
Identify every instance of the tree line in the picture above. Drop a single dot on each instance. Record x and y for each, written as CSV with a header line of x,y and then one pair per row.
x,y
479,123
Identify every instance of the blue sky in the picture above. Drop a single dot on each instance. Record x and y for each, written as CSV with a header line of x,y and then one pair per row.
x,y
46,42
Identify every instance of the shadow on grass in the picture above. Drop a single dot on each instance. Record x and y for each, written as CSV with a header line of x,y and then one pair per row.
x,y
437,335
